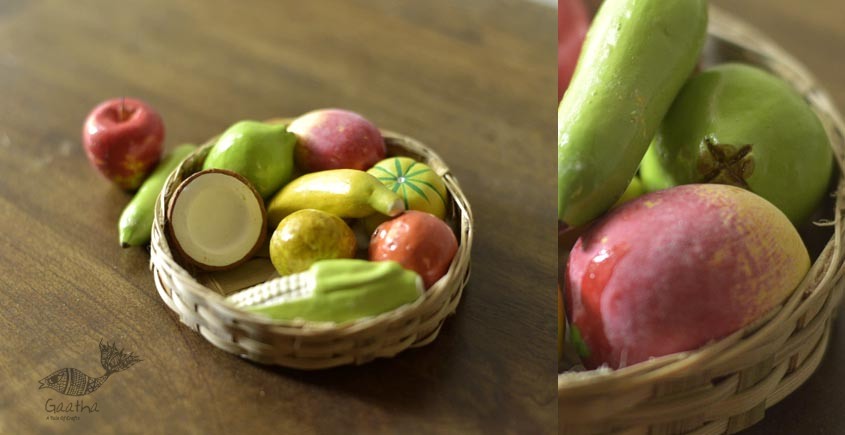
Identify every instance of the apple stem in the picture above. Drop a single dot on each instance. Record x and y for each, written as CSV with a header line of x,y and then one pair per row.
x,y
122,116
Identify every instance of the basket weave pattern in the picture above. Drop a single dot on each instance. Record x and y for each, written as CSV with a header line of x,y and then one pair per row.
x,y
726,386
306,345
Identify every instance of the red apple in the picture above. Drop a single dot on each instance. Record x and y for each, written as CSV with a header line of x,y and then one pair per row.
x,y
675,269
417,240
336,139
572,25
123,140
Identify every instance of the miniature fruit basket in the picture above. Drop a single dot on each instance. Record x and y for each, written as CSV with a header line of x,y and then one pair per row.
x,y
726,386
199,297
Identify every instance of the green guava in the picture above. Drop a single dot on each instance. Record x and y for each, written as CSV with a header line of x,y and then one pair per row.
x,y
739,125
260,152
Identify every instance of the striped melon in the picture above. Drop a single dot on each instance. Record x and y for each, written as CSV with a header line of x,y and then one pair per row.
x,y
416,183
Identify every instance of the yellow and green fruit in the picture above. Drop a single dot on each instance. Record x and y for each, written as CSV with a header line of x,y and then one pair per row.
x,y
634,190
347,193
307,236
676,269
416,183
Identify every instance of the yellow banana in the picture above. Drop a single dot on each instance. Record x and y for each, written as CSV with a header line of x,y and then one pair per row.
x,y
347,193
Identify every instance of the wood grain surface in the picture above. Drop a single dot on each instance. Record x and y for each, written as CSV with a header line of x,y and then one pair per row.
x,y
472,79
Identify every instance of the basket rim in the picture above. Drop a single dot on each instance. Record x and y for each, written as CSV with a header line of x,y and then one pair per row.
x,y
458,268
826,270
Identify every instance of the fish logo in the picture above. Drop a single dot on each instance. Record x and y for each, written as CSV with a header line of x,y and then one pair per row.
x,y
72,382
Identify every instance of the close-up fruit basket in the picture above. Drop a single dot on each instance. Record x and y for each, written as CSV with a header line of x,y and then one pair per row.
x,y
727,384
354,328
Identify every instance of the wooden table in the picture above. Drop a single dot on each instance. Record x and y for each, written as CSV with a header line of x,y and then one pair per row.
x,y
813,33
475,80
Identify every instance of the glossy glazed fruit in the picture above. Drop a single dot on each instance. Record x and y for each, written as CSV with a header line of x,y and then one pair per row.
x,y
260,152
347,193
675,269
336,139
308,236
417,184
419,241
627,76
123,140
739,125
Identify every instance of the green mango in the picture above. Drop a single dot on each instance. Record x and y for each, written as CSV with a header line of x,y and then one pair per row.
x,y
260,152
739,125
338,290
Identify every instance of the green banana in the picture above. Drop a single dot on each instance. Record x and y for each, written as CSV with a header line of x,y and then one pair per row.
x,y
337,291
636,57
136,221
347,193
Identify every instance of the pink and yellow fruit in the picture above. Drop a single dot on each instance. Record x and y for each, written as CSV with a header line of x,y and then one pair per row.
x,y
676,269
336,139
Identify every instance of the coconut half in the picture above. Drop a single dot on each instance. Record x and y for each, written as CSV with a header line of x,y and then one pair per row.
x,y
216,219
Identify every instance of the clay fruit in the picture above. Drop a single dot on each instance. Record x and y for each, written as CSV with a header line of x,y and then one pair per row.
x,y
260,152
637,56
337,291
419,241
672,270
216,219
136,221
416,183
336,139
739,125
123,140
348,193
307,236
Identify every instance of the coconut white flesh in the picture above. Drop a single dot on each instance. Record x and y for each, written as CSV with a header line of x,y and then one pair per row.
x,y
217,219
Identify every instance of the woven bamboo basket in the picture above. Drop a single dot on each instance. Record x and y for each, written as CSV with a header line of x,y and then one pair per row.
x,y
726,386
198,297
